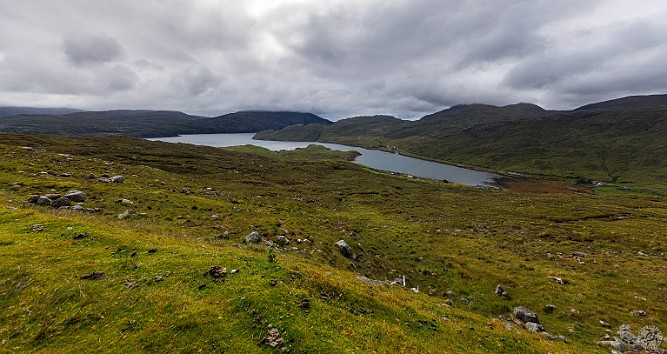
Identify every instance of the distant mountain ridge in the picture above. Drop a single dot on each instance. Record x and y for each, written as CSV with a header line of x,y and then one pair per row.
x,y
649,101
13,111
149,123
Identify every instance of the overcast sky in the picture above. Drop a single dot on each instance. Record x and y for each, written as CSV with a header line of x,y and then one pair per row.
x,y
336,58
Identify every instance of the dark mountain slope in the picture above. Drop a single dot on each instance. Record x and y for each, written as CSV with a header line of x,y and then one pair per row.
x,y
144,123
631,102
14,111
255,121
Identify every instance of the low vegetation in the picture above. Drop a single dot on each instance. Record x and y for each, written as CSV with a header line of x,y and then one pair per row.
x,y
160,262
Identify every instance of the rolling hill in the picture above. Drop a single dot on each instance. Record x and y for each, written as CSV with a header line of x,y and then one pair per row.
x,y
617,141
147,123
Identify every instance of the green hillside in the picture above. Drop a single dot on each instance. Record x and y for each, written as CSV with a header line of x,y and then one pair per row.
x,y
620,144
137,266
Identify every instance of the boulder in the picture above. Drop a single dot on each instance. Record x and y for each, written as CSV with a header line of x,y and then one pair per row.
x,y
344,248
533,327
117,179
61,202
253,237
525,315
76,196
53,196
43,200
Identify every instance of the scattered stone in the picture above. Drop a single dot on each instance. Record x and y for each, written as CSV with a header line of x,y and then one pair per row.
x,y
131,284
579,254
533,327
53,196
465,301
217,272
104,180
158,279
77,207
117,179
370,281
648,340
605,324
202,286
253,237
133,254
215,217
639,313
61,202
304,304
92,176
449,302
344,248
93,276
80,235
126,213
273,282
37,228
234,271
509,327
65,175
152,251
43,200
282,240
125,201
273,339
525,315
501,292
549,308
52,173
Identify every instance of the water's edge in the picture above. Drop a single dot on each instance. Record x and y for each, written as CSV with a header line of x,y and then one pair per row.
x,y
376,159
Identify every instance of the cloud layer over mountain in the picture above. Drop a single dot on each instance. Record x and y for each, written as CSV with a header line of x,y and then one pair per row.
x,y
335,58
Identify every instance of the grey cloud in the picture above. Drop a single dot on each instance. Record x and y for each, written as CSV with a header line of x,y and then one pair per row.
x,y
336,58
85,48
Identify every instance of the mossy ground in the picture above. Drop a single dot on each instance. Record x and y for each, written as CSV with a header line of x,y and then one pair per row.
x,y
441,237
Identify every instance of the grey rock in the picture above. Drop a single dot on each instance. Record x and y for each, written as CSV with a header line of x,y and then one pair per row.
x,y
158,279
104,180
126,213
639,313
80,235
92,176
344,248
117,179
500,291
61,202
43,200
76,196
253,237
533,327
77,207
525,315
282,240
34,199
53,196
152,251
549,308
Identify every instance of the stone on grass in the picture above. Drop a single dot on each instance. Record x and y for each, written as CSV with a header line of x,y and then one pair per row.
x,y
282,240
117,179
61,202
525,315
344,248
43,200
253,237
217,272
76,196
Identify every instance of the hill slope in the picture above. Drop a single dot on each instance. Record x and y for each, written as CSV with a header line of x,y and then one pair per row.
x,y
13,111
183,210
146,123
611,142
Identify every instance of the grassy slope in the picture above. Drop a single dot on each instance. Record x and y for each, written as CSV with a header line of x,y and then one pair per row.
x,y
441,237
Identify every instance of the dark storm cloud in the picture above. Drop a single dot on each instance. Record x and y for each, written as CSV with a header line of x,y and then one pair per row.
x,y
85,48
337,58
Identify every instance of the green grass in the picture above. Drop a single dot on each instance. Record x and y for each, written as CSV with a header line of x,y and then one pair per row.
x,y
441,237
